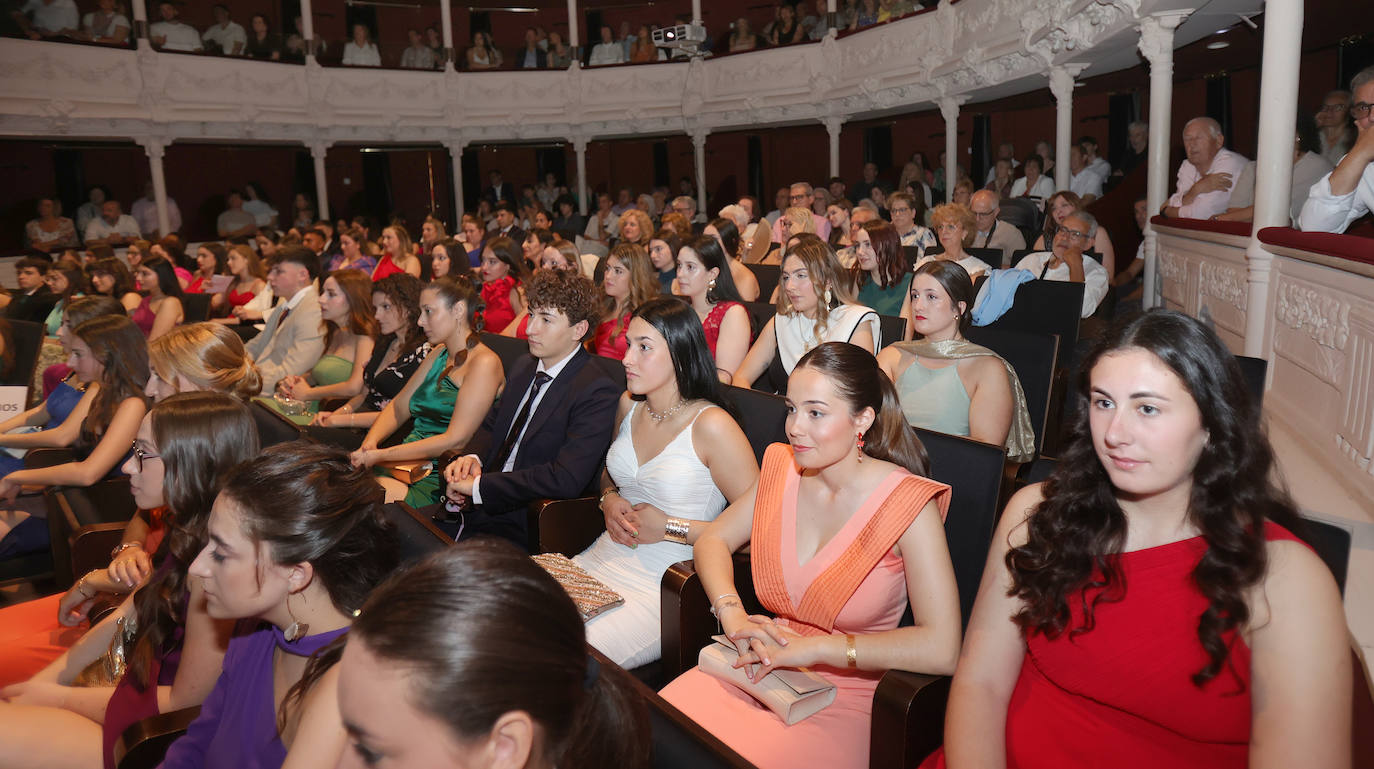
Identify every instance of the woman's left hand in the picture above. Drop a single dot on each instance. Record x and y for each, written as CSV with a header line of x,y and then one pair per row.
x,y
9,490
43,694
649,522
765,653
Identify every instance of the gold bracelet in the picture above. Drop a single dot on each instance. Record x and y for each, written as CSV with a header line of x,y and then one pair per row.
x,y
851,652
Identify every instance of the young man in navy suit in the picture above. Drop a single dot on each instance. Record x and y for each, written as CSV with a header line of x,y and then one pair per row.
x,y
548,435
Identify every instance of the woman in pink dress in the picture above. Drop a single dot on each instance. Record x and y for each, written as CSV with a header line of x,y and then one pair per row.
x,y
844,531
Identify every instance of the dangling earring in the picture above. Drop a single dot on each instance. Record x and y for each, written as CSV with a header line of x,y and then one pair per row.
x,y
827,296
711,284
298,629
859,444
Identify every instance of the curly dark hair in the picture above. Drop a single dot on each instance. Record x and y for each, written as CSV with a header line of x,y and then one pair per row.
x,y
1076,533
403,289
568,292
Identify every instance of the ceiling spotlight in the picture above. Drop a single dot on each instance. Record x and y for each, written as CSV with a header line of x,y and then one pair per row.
x,y
1218,45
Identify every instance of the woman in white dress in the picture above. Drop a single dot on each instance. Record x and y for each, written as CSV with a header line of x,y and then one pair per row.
x,y
678,458
815,304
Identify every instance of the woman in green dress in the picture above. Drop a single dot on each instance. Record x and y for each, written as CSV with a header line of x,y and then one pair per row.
x,y
349,337
447,398
880,271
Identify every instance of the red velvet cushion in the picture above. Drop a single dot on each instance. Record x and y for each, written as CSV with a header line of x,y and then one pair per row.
x,y
1346,246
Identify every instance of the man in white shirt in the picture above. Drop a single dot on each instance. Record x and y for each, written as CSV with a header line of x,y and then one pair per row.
x,y
171,34
1083,180
113,228
992,232
236,222
293,339
1067,263
608,51
1206,177
1347,193
417,55
603,225
802,195
1336,129
51,18
1089,146
144,211
226,33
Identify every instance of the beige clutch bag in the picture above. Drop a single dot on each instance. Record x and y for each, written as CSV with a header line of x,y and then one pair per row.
x,y
590,594
792,694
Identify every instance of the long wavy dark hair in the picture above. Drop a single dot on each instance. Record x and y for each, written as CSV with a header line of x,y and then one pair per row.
x,y
1076,534
680,327
199,437
122,350
403,289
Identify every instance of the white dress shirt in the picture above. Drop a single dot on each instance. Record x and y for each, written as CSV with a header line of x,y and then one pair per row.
x,y
553,372
355,55
51,18
1325,212
226,36
1044,187
176,36
99,229
1208,204
606,53
1094,277
1086,182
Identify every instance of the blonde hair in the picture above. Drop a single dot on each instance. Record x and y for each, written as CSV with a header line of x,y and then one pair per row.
x,y
955,213
644,283
802,217
646,226
826,273
208,355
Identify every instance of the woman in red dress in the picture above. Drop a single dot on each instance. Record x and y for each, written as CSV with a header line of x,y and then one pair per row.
x,y
630,281
703,278
1149,605
398,254
504,275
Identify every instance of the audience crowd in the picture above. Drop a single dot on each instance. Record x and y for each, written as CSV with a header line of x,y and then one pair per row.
x,y
534,355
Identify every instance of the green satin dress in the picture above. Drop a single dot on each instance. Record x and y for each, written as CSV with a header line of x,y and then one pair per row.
x,y
329,370
431,407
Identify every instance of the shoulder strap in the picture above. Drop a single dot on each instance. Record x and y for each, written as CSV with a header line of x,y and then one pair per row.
x,y
827,596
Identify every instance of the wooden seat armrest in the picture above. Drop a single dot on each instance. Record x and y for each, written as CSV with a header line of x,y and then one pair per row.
x,y
143,744
908,718
90,546
569,526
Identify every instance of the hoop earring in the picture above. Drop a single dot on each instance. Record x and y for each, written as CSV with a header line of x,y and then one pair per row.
x,y
297,629
858,444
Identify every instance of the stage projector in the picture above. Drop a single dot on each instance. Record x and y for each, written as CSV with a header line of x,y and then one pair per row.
x,y
686,36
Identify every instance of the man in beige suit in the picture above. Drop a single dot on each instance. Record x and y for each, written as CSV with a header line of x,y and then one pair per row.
x,y
293,340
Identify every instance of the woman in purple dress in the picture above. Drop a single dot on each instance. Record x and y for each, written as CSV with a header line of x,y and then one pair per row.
x,y
297,540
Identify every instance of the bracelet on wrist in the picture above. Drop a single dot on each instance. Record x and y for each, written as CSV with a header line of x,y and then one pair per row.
x,y
676,530
606,492
851,652
717,600
125,546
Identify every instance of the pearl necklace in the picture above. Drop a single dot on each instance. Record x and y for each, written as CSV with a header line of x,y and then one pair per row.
x,y
658,417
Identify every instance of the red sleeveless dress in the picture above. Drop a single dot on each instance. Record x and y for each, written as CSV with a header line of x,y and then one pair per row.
x,y
1121,694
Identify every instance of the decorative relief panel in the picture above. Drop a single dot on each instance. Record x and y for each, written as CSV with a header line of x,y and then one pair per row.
x,y
1324,318
1223,282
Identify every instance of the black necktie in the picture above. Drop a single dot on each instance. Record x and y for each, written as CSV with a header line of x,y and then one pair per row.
x,y
540,379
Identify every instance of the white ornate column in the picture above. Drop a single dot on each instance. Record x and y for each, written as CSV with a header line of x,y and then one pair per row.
x,y
455,147
1274,158
318,149
1157,46
140,9
154,148
699,156
574,38
308,32
829,15
696,11
833,124
446,19
580,148
949,108
1061,85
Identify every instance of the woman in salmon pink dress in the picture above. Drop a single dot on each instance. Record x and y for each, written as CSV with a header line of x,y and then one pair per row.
x,y
843,532
1149,604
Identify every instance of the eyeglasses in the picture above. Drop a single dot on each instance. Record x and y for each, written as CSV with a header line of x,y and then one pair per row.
x,y
141,456
1073,233
947,227
1332,108
798,198
981,214
1359,109
902,210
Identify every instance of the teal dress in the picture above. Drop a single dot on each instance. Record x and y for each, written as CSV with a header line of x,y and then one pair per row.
x,y
885,301
934,399
431,407
328,370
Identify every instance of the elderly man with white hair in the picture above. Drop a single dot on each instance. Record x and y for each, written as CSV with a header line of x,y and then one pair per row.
x,y
1206,178
1067,263
802,195
993,232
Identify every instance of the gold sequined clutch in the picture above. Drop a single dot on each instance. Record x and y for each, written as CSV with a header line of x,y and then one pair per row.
x,y
591,596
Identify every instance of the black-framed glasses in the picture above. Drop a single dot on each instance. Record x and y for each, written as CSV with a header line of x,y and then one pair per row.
x,y
141,456
1073,233
1359,109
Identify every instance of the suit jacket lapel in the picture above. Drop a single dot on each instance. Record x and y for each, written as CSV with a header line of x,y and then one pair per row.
x,y
553,396
521,376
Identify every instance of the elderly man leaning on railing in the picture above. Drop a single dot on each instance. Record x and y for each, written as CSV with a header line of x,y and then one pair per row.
x,y
1347,193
